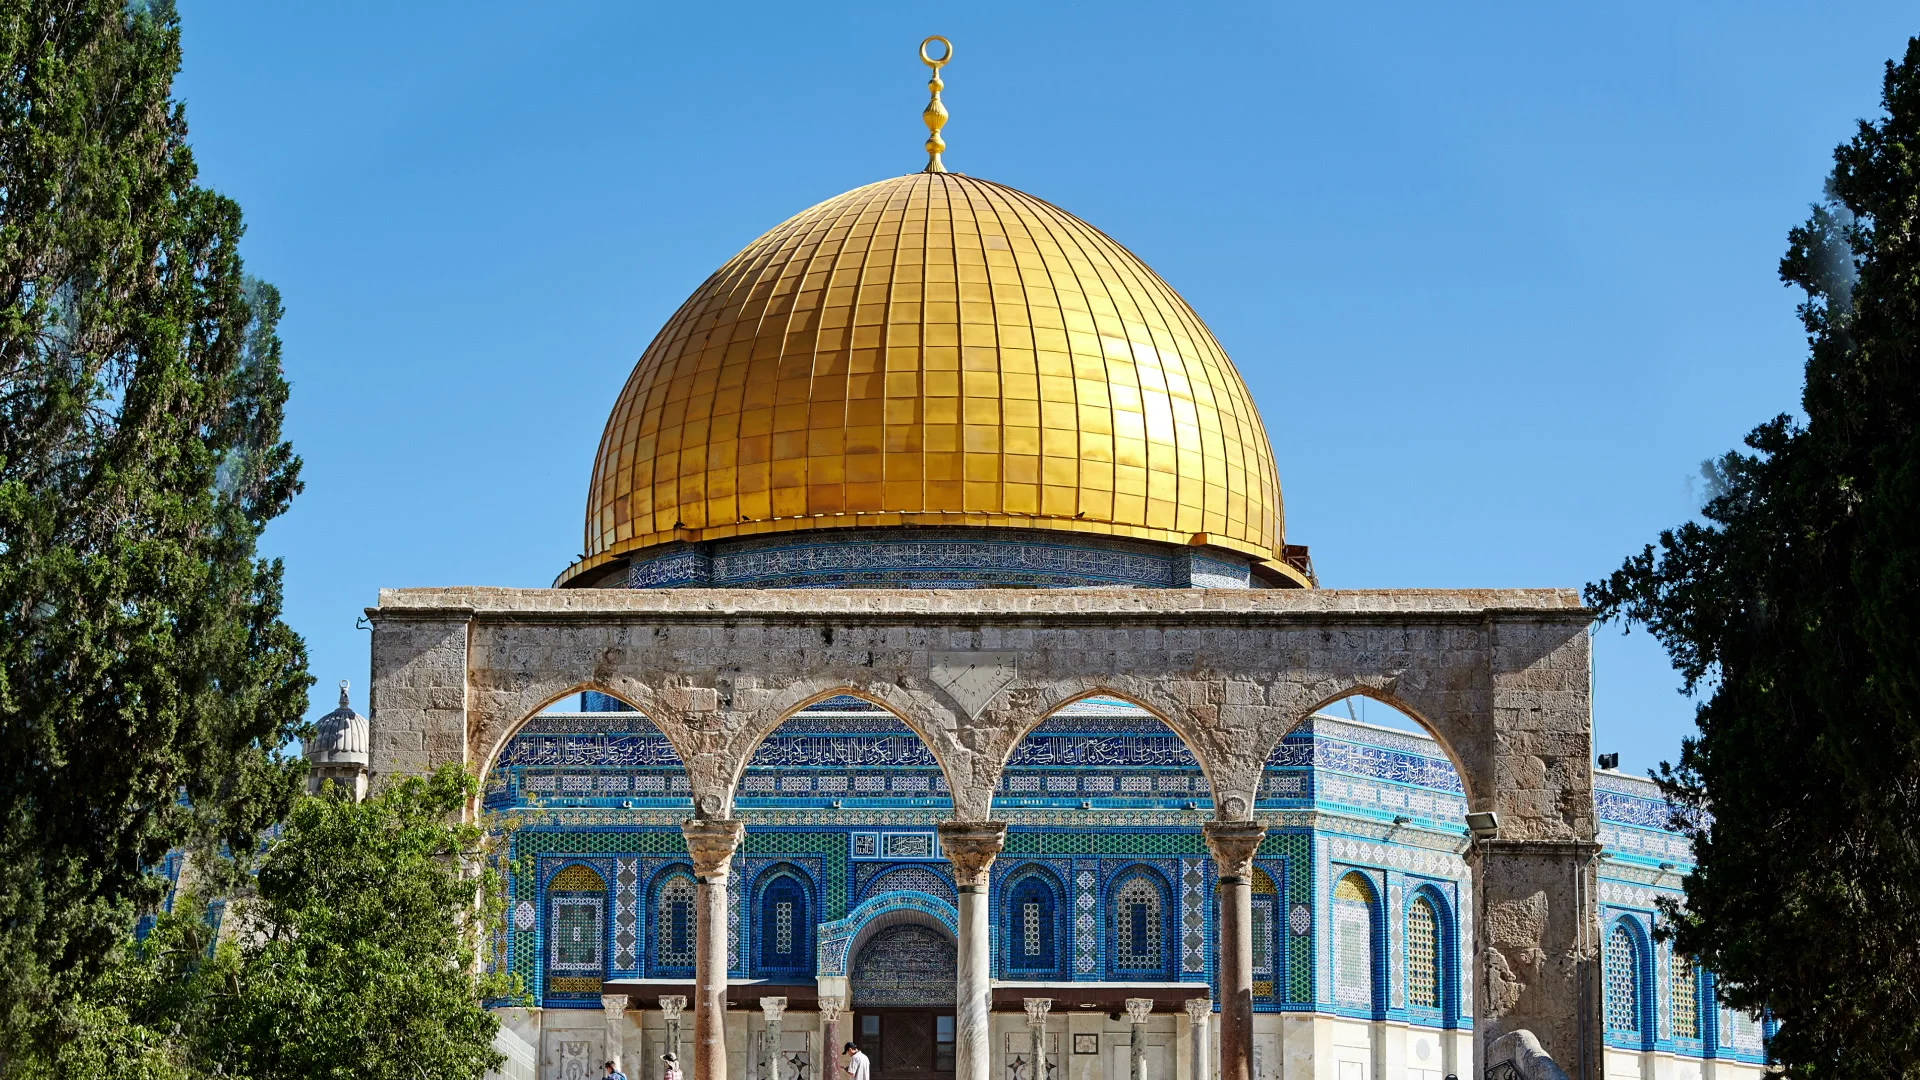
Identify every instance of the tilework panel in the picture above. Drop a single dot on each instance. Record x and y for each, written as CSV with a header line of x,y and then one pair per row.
x,y
1193,915
935,349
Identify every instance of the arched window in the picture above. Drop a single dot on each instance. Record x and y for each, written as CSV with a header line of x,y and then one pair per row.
x,y
1683,984
1266,962
1622,962
1139,925
1032,936
1354,903
576,931
1423,955
785,926
674,922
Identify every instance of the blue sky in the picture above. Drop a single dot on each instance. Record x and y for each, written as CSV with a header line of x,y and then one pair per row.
x,y
1500,277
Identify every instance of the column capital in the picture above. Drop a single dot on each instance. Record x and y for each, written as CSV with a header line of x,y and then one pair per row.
x,y
671,1006
971,846
773,1007
1138,1009
712,842
1037,1009
615,1004
1199,1010
1232,844
830,1008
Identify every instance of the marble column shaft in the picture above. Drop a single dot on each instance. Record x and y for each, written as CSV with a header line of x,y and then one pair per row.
x,y
671,1006
1200,1019
1037,1009
970,847
831,1036
711,844
616,1010
1138,1010
1233,844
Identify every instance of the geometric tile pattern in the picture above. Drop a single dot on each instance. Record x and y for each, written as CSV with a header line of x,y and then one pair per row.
x,y
1193,915
626,887
1086,924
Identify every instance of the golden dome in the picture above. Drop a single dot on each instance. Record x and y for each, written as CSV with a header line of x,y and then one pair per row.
x,y
933,349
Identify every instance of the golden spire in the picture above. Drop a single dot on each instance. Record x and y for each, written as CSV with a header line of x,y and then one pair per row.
x,y
936,113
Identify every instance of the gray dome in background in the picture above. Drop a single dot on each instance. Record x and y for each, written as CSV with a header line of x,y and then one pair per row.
x,y
340,737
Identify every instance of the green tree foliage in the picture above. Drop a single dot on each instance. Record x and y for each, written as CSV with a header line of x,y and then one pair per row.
x,y
146,677
354,959
1793,610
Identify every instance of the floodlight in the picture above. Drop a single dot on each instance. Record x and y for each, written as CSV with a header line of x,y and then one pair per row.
x,y
1483,824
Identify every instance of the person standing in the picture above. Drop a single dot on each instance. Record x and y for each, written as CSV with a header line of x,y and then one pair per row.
x,y
672,1071
858,1068
613,1073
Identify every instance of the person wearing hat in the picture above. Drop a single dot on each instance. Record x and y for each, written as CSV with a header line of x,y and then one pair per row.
x,y
858,1068
673,1067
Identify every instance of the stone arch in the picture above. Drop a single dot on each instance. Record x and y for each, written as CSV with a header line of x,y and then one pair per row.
x,y
1251,788
1160,710
790,702
491,734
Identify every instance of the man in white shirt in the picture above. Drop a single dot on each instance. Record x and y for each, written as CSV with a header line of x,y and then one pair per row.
x,y
858,1068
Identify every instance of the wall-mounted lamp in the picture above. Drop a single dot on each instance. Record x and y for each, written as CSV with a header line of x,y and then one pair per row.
x,y
1483,824
1609,761
1401,819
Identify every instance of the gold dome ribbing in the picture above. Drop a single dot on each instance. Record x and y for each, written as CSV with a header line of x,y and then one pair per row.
x,y
934,349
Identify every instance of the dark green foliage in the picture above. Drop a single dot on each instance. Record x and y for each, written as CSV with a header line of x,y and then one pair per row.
x,y
355,960
1794,607
145,675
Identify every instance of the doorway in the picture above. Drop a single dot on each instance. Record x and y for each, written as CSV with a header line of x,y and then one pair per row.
x,y
907,1044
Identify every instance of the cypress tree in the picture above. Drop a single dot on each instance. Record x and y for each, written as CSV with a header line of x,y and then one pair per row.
x,y
146,676
1793,608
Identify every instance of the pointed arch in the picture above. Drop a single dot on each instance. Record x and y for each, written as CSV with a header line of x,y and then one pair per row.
x,y
674,901
1127,751
1269,948
1140,935
801,755
782,927
1627,961
575,903
1033,914
547,757
1358,946
1469,782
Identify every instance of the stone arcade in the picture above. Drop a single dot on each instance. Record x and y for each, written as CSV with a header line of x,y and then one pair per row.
x,y
947,683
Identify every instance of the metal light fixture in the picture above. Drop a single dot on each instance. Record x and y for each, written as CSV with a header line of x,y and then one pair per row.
x,y
1609,761
1483,824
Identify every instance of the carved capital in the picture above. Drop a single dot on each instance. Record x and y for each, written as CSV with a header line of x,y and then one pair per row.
x,y
971,846
615,1004
712,843
1138,1009
671,1005
1232,844
1199,1010
773,1007
1037,1009
830,1009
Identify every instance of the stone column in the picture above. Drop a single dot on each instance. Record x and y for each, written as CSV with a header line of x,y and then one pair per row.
x,y
831,1037
1233,844
1138,1009
971,847
1037,1025
774,1008
616,1009
1536,948
1199,1017
670,1008
712,844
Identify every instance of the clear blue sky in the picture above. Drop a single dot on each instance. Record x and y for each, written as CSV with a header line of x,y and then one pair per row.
x,y
1500,277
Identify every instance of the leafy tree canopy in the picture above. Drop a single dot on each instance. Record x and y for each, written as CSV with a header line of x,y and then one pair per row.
x,y
355,958
146,677
1793,609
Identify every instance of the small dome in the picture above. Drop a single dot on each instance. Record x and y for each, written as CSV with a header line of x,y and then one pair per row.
x,y
341,737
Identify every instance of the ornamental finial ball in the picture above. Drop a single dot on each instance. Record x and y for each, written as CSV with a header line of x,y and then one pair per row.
x,y
935,114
